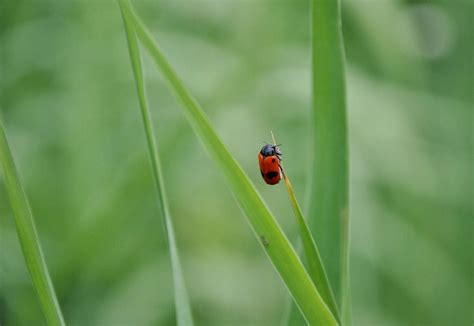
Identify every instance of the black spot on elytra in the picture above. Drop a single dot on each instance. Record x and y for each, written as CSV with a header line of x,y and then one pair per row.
x,y
271,174
273,160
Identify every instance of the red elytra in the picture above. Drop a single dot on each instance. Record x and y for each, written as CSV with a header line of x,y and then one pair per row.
x,y
269,161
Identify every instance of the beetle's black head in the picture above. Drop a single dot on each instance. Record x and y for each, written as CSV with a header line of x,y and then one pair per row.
x,y
270,150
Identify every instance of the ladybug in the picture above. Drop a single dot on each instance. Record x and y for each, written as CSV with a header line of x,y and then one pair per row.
x,y
269,160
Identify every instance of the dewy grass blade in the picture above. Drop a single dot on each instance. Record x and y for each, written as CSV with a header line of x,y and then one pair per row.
x,y
328,210
315,266
28,236
266,229
183,308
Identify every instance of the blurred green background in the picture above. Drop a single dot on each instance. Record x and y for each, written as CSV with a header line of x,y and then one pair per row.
x,y
71,113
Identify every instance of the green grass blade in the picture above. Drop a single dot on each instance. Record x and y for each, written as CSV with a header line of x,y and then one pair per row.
x,y
28,236
183,308
313,259
315,266
328,210
266,229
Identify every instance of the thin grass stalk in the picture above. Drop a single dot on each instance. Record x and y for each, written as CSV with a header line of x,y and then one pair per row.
x,y
28,236
183,308
315,266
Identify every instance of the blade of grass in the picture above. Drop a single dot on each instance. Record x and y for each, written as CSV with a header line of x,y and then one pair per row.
x,y
266,229
28,236
328,209
315,266
182,306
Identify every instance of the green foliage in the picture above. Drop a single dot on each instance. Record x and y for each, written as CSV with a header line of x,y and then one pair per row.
x,y
266,229
183,309
27,234
68,95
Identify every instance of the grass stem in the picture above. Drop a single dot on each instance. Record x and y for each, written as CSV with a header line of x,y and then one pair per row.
x,y
328,206
28,236
313,258
183,308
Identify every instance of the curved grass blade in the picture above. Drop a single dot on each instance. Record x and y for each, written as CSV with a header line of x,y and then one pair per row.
x,y
328,209
266,229
183,308
28,236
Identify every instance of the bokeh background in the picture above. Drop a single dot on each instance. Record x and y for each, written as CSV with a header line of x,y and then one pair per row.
x,y
72,117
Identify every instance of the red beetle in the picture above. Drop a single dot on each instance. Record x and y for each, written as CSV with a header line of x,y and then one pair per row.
x,y
269,160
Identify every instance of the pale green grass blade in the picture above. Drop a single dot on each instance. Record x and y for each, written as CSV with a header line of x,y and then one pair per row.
x,y
266,229
313,259
183,308
328,209
28,236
